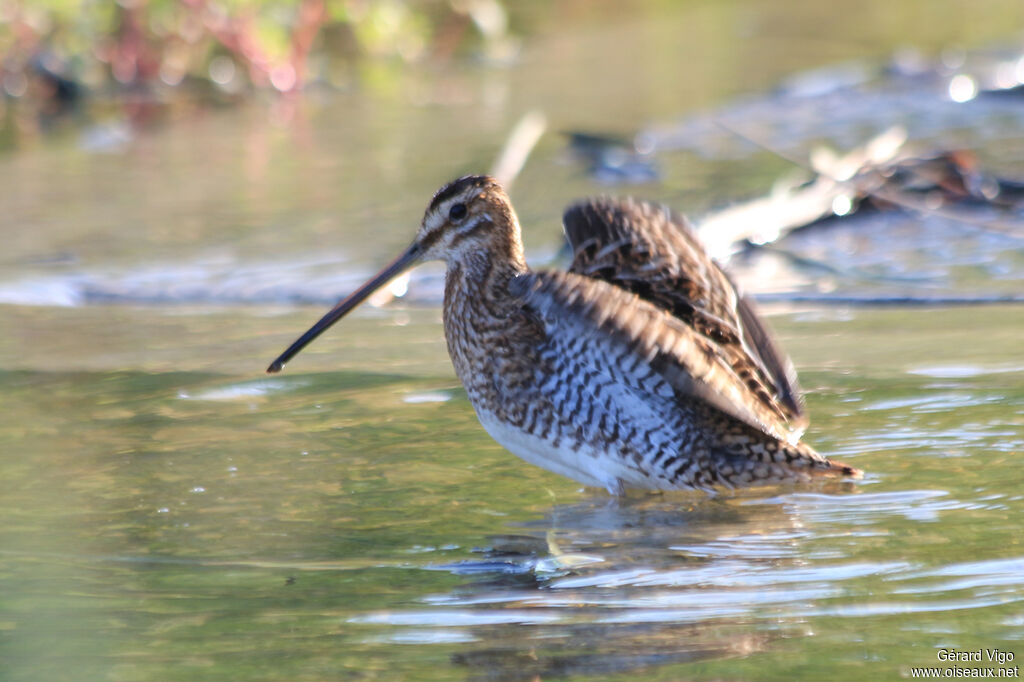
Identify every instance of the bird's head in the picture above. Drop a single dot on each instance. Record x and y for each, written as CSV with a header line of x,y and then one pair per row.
x,y
471,217
469,221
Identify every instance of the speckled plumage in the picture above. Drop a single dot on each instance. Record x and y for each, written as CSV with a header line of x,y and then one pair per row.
x,y
641,367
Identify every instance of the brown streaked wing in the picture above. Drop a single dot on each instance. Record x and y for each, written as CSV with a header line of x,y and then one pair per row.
x,y
651,251
775,362
572,305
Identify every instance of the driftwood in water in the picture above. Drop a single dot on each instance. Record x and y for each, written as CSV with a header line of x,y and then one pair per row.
x,y
883,174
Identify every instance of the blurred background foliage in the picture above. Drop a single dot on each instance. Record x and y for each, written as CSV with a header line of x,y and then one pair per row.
x,y
142,57
55,53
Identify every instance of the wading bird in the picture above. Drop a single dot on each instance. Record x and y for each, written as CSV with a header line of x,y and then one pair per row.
x,y
640,367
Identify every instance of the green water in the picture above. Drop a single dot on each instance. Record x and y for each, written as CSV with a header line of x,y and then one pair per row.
x,y
170,512
179,518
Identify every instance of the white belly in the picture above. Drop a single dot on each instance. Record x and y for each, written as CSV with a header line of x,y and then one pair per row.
x,y
586,464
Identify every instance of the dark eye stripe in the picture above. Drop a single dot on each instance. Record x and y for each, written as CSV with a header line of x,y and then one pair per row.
x,y
469,228
429,238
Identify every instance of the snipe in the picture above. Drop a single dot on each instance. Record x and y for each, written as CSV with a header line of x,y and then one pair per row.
x,y
640,367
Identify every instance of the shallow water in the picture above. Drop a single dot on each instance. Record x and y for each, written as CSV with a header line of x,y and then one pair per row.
x,y
170,512
184,516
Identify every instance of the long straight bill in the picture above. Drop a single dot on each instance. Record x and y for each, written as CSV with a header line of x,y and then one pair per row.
x,y
392,270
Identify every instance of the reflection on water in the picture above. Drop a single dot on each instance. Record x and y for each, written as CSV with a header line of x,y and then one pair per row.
x,y
612,586
361,521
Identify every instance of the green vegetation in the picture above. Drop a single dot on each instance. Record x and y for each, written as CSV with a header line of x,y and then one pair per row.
x,y
134,54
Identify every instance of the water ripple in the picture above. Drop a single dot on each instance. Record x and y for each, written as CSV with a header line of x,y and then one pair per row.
x,y
925,404
867,508
964,371
966,576
457,617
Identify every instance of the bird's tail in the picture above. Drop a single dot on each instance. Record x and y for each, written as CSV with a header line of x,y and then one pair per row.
x,y
810,460
765,460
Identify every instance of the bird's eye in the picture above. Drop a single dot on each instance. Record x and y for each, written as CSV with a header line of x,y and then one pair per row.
x,y
457,212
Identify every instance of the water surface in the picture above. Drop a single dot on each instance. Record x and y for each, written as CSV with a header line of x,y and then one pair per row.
x,y
170,512
184,516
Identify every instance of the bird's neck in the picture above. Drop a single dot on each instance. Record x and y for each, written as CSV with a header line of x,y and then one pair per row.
x,y
478,287
478,280
481,315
